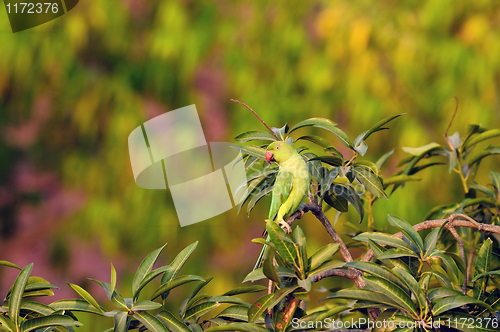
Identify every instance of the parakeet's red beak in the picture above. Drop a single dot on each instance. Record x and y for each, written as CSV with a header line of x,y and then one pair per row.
x,y
269,156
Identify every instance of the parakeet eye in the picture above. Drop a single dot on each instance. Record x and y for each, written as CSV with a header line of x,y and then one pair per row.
x,y
277,148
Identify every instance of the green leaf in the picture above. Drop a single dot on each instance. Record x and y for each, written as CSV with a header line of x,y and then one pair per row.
x,y
53,320
113,278
476,157
322,255
326,266
115,297
393,292
255,135
145,305
245,290
495,178
258,307
453,302
363,295
85,295
178,262
451,159
252,151
7,324
172,323
284,248
383,238
351,196
441,292
330,160
257,197
149,277
300,239
440,277
448,262
322,122
421,150
397,253
281,132
75,305
173,283
481,137
382,159
407,230
377,271
339,203
237,312
145,267
228,299
39,308
376,127
370,181
199,310
431,240
482,275
17,293
280,295
398,179
243,327
187,302
9,264
270,270
415,288
316,140
283,272
483,265
122,321
150,322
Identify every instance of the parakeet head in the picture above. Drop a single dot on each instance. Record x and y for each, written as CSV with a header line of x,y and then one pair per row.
x,y
279,152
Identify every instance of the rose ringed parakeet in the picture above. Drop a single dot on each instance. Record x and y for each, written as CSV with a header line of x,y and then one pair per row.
x,y
290,187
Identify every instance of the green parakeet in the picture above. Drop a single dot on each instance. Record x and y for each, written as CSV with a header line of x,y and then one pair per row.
x,y
290,187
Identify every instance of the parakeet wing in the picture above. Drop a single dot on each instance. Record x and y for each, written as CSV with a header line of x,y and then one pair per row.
x,y
281,190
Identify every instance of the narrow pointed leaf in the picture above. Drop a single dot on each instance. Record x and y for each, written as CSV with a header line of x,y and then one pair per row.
x,y
383,238
284,248
85,295
407,230
377,126
243,327
377,271
9,264
145,305
197,311
453,302
283,272
394,292
175,283
149,277
482,137
17,293
150,322
53,320
145,267
172,322
237,312
178,262
326,266
245,290
254,135
370,181
258,307
322,255
75,305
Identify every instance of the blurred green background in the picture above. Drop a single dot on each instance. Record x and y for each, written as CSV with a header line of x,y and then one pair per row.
x,y
73,89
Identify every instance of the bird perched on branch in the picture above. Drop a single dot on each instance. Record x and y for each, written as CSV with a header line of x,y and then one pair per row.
x,y
290,187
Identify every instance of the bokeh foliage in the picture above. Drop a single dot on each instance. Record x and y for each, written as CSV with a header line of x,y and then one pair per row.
x,y
73,89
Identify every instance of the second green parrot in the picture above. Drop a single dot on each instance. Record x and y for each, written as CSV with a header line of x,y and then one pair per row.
x,y
290,187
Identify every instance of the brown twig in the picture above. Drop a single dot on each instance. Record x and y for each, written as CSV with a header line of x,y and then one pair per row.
x,y
289,311
453,221
258,117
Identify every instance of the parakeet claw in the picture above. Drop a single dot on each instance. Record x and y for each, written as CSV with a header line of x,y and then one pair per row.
x,y
284,225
